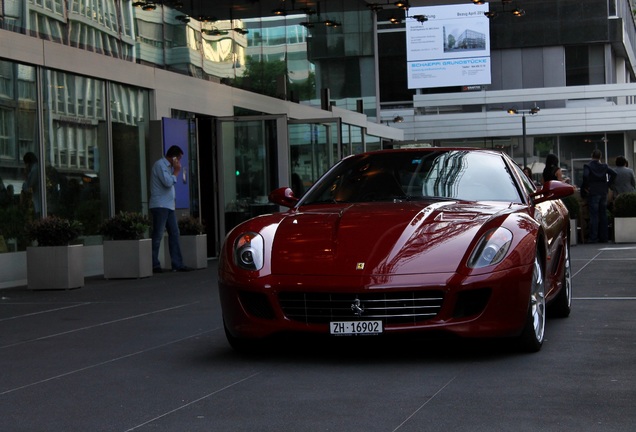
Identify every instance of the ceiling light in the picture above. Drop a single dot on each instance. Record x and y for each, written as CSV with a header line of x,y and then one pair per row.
x,y
518,12
402,4
207,18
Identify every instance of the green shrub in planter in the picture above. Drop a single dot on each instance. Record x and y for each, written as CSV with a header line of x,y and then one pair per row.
x,y
54,231
189,225
12,224
625,205
125,226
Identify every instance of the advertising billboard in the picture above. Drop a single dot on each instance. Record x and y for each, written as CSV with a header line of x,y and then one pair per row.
x,y
451,48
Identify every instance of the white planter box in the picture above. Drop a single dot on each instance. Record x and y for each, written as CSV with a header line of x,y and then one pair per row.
x,y
55,267
574,232
625,230
194,250
127,259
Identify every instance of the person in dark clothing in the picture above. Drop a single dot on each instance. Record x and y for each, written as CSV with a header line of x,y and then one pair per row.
x,y
597,178
552,170
625,180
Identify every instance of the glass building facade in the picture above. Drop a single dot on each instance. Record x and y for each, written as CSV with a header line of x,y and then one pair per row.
x,y
79,144
573,60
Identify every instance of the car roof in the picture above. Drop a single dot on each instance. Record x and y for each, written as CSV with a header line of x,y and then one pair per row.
x,y
433,149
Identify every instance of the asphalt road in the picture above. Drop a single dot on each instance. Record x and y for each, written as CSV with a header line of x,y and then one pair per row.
x,y
151,355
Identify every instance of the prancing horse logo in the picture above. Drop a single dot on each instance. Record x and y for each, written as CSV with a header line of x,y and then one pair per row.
x,y
356,307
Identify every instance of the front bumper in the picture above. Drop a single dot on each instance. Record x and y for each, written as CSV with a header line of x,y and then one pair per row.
x,y
487,305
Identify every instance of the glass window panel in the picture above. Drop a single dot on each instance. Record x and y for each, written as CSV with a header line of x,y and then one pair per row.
x,y
76,150
373,143
129,109
20,197
250,169
309,155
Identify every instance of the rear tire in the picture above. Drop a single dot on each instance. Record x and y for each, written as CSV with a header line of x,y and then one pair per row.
x,y
532,337
562,304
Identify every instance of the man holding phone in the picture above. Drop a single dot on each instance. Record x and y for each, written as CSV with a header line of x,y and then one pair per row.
x,y
162,207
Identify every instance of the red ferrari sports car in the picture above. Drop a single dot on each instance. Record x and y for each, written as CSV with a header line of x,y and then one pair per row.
x,y
403,241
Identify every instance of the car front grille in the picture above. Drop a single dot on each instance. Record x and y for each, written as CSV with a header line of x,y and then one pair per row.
x,y
392,307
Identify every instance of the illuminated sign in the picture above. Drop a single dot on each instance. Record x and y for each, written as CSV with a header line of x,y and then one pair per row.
x,y
451,48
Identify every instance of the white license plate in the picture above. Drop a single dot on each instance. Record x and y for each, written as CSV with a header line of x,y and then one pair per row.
x,y
347,328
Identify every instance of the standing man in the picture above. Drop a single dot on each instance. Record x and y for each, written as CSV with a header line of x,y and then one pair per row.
x,y
625,180
162,205
597,178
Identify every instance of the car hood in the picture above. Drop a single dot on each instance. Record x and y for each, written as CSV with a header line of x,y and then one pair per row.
x,y
378,239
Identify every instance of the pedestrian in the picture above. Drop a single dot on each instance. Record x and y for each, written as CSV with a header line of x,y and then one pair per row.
x,y
597,178
625,181
162,207
552,170
528,172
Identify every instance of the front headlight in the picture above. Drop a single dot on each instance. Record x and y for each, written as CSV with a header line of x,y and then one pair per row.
x,y
249,251
491,248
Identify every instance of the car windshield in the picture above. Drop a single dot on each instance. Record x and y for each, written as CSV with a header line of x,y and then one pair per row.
x,y
412,175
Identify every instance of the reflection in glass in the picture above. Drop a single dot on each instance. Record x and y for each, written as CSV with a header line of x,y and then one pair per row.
x,y
129,116
309,154
249,165
75,143
20,194
455,175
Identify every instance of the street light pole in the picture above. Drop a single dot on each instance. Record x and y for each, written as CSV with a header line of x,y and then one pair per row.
x,y
523,113
523,127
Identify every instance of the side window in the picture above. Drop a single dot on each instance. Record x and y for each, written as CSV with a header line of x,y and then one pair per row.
x,y
528,184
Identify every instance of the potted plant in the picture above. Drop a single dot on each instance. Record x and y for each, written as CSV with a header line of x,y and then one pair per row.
x,y
127,251
625,218
55,262
193,241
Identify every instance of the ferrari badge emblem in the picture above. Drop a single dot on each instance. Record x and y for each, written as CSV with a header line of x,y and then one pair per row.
x,y
357,308
360,266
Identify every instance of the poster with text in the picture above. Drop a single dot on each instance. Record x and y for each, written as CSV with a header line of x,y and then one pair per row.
x,y
451,48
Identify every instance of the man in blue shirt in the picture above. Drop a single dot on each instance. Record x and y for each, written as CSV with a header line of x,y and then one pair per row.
x,y
162,205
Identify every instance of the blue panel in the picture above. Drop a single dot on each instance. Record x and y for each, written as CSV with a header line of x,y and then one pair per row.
x,y
175,132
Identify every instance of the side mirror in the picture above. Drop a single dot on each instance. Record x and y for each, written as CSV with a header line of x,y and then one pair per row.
x,y
552,190
284,197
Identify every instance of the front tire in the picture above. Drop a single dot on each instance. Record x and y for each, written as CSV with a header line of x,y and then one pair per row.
x,y
533,334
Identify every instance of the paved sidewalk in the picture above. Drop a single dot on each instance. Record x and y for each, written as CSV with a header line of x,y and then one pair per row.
x,y
151,355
